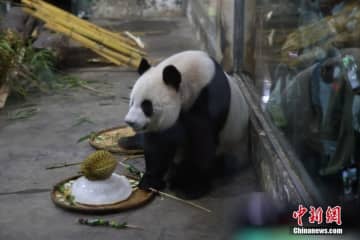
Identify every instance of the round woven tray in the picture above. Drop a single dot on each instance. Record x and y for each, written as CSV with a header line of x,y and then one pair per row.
x,y
108,140
136,199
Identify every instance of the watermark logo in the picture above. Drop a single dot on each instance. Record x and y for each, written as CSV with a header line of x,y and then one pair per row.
x,y
315,218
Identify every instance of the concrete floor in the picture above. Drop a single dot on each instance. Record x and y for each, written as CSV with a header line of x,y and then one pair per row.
x,y
28,146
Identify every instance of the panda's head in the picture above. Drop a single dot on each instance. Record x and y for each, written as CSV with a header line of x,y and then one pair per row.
x,y
155,101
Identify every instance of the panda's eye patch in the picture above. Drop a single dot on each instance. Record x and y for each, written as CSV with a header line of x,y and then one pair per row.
x,y
147,108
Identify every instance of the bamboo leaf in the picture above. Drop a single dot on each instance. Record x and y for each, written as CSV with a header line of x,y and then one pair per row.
x,y
88,136
82,120
23,113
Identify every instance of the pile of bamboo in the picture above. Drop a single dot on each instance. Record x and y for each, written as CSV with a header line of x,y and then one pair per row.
x,y
115,47
336,30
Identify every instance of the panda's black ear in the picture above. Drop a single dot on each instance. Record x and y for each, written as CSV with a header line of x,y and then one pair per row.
x,y
172,77
144,66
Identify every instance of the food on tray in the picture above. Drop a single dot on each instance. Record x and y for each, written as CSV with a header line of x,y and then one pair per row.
x,y
101,192
99,165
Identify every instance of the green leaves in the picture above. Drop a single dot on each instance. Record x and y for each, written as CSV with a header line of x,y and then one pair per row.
x,y
25,69
23,113
106,223
21,65
61,189
82,120
90,135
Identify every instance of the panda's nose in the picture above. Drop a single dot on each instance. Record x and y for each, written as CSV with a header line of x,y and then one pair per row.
x,y
131,123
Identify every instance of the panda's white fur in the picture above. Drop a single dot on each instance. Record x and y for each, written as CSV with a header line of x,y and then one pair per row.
x,y
197,69
234,132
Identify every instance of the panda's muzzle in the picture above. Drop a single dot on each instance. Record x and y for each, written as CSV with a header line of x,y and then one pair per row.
x,y
136,126
136,119
132,124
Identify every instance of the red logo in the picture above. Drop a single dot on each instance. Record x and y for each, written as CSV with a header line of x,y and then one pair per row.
x,y
333,215
299,214
316,215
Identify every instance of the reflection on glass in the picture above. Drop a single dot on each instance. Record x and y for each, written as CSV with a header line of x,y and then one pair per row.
x,y
308,55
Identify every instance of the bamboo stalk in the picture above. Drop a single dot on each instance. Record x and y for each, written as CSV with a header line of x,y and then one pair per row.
x,y
180,200
327,27
38,4
116,58
109,58
79,22
63,165
133,157
109,42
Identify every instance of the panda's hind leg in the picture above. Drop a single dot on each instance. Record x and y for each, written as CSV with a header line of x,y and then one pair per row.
x,y
226,165
189,182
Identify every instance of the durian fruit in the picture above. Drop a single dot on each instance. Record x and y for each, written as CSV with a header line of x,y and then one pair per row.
x,y
98,165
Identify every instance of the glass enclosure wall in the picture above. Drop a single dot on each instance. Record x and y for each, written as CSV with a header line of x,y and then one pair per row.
x,y
205,15
210,7
213,21
307,60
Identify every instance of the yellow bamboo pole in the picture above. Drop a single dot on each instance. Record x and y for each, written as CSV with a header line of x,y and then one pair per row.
x,y
84,23
38,4
107,53
109,58
109,42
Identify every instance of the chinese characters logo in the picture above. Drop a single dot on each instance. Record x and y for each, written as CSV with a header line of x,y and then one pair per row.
x,y
315,215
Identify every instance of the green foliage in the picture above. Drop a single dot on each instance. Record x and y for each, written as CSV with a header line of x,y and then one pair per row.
x,y
23,113
82,120
105,223
25,69
88,136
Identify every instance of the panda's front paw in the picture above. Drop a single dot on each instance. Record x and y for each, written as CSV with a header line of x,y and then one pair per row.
x,y
131,143
148,182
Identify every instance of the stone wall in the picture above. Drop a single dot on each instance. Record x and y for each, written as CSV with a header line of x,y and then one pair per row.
x,y
118,9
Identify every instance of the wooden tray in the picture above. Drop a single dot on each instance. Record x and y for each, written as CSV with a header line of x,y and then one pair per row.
x,y
136,199
108,140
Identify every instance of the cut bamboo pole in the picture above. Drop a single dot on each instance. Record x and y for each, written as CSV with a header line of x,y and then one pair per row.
x,y
38,4
109,58
71,33
118,49
107,53
109,42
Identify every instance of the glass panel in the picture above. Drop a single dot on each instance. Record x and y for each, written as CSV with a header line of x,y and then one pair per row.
x,y
208,12
307,58
210,7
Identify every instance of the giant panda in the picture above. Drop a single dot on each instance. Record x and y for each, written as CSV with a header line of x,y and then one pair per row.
x,y
190,116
